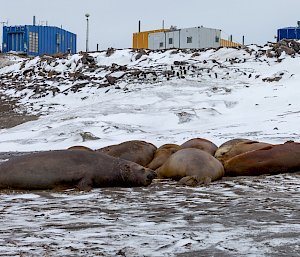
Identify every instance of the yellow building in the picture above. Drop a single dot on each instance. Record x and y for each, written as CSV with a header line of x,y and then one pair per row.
x,y
140,39
228,43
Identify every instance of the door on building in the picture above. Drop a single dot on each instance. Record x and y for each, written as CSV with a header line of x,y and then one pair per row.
x,y
15,42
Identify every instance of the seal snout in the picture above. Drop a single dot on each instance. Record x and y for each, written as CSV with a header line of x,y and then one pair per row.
x,y
151,175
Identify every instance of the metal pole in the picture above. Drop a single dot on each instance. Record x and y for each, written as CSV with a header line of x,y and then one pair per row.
x,y
2,43
87,32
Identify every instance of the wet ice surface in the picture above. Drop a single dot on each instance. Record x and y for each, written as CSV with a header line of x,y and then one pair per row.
x,y
243,216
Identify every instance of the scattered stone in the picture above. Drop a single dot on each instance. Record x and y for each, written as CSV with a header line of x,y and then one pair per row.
x,y
178,63
141,52
110,51
87,59
272,79
111,80
88,136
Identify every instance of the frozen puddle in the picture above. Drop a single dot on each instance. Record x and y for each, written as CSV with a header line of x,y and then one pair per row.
x,y
254,216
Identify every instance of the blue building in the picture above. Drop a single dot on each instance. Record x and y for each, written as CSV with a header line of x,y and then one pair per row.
x,y
38,40
289,33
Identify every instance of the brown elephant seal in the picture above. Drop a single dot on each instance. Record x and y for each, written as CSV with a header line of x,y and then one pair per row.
x,y
162,154
140,152
235,147
81,148
191,164
272,159
200,143
68,169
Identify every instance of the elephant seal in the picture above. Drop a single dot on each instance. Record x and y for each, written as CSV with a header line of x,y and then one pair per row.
x,y
68,169
191,164
81,148
235,147
200,143
272,159
162,154
140,152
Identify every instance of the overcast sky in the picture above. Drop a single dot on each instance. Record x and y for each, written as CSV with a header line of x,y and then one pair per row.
x,y
112,22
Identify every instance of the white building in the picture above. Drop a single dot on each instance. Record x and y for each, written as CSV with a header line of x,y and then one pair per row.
x,y
197,37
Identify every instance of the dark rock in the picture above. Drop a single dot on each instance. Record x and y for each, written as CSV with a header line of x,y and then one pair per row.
x,y
180,63
110,51
88,136
111,80
140,54
272,79
285,49
87,59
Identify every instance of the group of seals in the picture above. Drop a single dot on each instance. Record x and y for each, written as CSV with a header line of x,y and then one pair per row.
x,y
132,163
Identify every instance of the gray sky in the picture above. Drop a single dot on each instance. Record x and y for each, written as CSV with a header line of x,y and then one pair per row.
x,y
112,22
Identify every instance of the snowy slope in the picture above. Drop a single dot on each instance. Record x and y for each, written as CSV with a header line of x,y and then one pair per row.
x,y
157,96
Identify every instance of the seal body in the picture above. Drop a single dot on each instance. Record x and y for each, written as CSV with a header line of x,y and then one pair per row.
x,y
67,169
162,154
191,162
272,159
235,147
80,148
137,151
200,143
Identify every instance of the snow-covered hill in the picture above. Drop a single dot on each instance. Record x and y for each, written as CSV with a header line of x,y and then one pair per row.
x,y
157,96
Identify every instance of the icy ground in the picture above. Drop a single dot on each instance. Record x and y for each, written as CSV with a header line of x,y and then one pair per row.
x,y
256,216
160,97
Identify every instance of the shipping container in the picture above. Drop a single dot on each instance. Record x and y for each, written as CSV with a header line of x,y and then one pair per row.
x,y
38,40
288,33
140,39
193,38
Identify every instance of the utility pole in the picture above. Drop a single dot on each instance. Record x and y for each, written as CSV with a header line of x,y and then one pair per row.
x,y
2,23
87,32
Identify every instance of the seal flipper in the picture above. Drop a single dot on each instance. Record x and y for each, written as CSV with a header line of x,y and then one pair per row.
x,y
195,180
206,181
84,184
189,181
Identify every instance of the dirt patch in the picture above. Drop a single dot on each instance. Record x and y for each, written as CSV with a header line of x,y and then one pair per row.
x,y
9,114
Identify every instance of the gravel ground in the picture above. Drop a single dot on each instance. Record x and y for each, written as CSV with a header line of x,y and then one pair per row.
x,y
9,117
